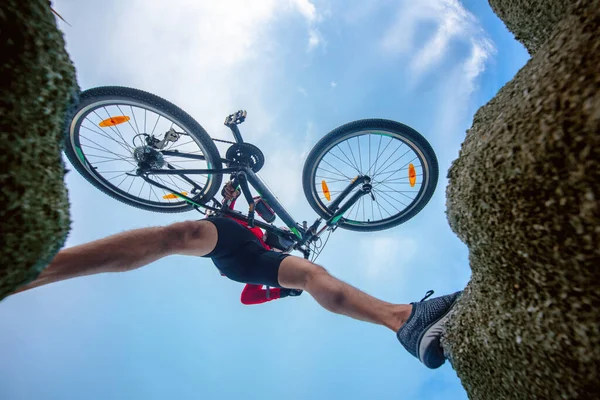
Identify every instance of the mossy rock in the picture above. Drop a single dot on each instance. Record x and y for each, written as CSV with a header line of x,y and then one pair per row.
x,y
524,196
37,81
531,21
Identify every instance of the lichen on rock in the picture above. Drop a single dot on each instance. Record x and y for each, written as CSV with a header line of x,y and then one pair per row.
x,y
524,196
37,81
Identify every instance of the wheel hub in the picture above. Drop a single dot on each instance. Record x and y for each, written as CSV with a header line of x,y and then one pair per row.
x,y
148,157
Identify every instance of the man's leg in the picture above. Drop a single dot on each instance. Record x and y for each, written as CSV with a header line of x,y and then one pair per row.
x,y
418,326
129,250
339,297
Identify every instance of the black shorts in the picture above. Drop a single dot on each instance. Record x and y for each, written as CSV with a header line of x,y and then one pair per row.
x,y
241,257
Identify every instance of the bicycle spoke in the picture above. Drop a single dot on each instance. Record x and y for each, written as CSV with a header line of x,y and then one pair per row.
x,y
331,180
405,165
396,179
392,163
381,197
182,144
99,132
392,198
117,176
379,207
372,211
125,147
135,120
115,127
128,121
374,165
357,209
403,192
350,165
349,212
154,193
359,154
345,155
131,184
332,192
108,160
352,154
104,148
340,174
140,193
369,154
113,172
363,204
152,134
112,128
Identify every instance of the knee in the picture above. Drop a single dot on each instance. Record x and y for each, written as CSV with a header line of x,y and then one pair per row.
x,y
184,234
314,273
318,279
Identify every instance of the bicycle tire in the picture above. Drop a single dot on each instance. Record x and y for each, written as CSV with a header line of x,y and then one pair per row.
x,y
419,144
103,93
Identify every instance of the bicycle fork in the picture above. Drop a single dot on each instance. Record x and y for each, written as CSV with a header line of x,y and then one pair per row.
x,y
338,212
365,189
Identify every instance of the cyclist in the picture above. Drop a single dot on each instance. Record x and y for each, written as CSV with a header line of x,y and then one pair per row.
x,y
241,255
254,294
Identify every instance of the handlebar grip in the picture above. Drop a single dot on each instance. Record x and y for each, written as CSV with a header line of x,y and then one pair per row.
x,y
235,184
251,215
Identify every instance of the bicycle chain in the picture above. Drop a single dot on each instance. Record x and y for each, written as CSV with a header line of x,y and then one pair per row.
x,y
223,141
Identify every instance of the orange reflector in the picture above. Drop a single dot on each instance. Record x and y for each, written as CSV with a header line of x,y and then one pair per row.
x,y
173,195
412,175
326,191
112,121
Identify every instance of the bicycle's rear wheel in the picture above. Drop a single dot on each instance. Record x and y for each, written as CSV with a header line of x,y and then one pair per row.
x,y
399,161
111,123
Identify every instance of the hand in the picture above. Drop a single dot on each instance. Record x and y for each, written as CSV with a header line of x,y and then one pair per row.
x,y
289,292
229,191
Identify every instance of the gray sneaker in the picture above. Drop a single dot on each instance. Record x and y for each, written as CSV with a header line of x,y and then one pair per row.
x,y
421,333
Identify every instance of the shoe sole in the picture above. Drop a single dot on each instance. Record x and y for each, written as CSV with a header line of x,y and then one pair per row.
x,y
433,356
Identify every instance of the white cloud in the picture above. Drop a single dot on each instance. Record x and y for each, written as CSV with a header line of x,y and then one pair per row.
x,y
453,24
312,17
475,64
333,84
307,9
313,38
209,58
302,91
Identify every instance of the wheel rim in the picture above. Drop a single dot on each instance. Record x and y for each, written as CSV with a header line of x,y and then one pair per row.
x,y
385,156
106,152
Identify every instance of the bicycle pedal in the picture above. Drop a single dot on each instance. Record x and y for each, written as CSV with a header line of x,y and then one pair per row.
x,y
237,118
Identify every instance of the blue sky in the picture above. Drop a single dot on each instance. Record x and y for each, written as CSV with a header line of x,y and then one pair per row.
x,y
176,329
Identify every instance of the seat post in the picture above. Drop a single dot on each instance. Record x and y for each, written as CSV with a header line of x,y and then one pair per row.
x,y
236,133
232,121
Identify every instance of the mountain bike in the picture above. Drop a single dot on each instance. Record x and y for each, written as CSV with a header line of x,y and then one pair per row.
x,y
144,151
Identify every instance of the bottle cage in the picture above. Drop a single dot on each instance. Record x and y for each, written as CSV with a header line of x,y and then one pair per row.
x,y
262,208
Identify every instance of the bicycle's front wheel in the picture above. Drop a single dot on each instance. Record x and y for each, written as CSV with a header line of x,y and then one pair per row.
x,y
399,162
116,129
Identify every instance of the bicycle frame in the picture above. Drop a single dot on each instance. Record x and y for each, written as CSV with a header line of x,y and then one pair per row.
x,y
302,234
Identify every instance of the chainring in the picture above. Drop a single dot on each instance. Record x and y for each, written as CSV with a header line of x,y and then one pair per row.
x,y
245,154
